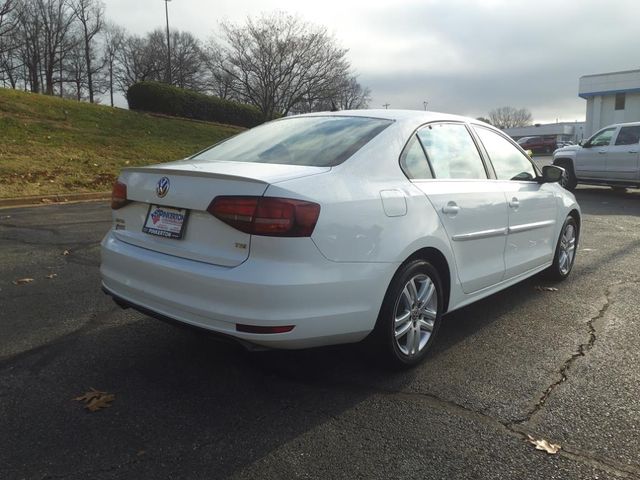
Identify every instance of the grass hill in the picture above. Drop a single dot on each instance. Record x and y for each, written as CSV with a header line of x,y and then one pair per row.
x,y
49,145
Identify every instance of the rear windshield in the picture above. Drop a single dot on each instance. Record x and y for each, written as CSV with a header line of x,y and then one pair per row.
x,y
309,141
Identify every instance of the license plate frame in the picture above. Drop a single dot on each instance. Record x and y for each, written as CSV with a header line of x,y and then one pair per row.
x,y
166,225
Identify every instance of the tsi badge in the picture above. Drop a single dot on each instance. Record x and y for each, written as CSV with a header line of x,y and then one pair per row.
x,y
163,187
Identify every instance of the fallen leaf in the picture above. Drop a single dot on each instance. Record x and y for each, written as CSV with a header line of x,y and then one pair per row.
x,y
22,281
90,395
545,446
66,252
51,275
96,400
546,289
99,403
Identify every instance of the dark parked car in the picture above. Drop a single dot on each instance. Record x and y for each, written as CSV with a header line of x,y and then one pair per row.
x,y
539,144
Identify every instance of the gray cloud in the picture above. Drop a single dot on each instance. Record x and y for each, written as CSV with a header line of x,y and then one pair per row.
x,y
462,56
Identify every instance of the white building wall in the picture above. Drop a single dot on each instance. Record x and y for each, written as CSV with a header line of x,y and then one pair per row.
x,y
600,93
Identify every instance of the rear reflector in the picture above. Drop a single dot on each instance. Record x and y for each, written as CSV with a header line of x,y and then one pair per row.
x,y
118,195
269,216
260,329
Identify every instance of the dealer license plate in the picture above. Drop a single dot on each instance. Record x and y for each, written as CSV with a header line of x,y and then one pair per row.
x,y
165,221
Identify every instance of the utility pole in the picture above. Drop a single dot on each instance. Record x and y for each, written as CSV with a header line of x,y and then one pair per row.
x,y
386,105
166,11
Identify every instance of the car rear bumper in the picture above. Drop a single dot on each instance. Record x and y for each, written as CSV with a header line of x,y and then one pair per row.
x,y
328,302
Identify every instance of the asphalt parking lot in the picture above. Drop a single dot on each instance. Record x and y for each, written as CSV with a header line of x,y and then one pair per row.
x,y
557,365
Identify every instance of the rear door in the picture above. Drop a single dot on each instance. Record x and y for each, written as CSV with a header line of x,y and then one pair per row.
x,y
624,154
531,205
471,208
591,159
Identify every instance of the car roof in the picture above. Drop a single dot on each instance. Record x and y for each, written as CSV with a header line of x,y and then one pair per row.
x,y
419,116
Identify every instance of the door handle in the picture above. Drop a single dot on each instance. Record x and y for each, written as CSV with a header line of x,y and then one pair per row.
x,y
602,151
514,203
451,208
633,151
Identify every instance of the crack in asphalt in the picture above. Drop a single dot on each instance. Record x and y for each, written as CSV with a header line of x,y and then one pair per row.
x,y
610,466
581,351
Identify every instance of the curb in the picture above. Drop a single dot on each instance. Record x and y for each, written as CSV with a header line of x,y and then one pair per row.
x,y
49,199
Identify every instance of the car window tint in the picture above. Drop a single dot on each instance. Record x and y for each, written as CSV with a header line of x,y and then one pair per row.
x,y
451,151
602,139
414,162
310,141
628,135
508,162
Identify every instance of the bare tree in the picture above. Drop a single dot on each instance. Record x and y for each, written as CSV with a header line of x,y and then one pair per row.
x,y
216,81
75,68
113,38
90,14
510,117
9,40
7,22
186,58
136,62
30,49
56,20
276,61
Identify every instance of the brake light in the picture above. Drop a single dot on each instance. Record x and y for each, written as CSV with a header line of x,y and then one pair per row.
x,y
118,195
268,216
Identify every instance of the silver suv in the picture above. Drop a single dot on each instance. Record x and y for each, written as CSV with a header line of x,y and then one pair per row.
x,y
610,157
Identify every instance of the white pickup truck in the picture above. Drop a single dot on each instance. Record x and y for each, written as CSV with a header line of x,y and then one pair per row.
x,y
610,157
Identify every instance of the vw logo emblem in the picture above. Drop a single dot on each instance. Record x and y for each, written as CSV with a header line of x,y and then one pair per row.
x,y
163,187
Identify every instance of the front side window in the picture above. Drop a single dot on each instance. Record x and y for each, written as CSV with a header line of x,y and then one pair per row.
x,y
309,141
414,162
602,139
451,151
508,162
628,136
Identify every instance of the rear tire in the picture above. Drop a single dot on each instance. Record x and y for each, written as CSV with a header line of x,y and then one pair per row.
x,y
565,255
411,314
569,180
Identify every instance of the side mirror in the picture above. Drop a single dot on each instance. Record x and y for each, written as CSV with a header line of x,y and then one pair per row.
x,y
551,174
583,143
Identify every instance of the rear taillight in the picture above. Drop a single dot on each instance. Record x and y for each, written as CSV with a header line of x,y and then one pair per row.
x,y
269,216
118,195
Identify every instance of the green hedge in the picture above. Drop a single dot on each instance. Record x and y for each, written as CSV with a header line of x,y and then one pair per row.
x,y
162,98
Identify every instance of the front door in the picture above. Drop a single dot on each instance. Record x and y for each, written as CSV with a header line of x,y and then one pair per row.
x,y
624,155
531,206
591,159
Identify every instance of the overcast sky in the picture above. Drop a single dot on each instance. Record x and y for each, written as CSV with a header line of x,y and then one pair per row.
x,y
461,56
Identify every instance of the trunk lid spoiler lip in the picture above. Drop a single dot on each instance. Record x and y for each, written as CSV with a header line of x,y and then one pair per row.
x,y
275,177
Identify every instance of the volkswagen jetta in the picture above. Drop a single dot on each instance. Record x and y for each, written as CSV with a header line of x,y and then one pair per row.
x,y
327,228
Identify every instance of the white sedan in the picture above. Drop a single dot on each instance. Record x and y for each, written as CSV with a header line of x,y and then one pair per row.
x,y
327,228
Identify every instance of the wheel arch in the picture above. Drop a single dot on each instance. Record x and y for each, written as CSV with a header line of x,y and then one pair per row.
x,y
440,263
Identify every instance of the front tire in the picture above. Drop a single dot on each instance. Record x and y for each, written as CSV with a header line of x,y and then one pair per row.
x,y
569,180
411,314
565,255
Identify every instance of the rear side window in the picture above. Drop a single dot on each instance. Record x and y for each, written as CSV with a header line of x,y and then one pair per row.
x,y
628,136
308,141
414,162
508,162
451,151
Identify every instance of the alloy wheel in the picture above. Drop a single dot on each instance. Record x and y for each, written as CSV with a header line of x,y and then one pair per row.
x,y
415,314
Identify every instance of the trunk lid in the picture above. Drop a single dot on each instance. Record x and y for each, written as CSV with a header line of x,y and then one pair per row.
x,y
192,186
